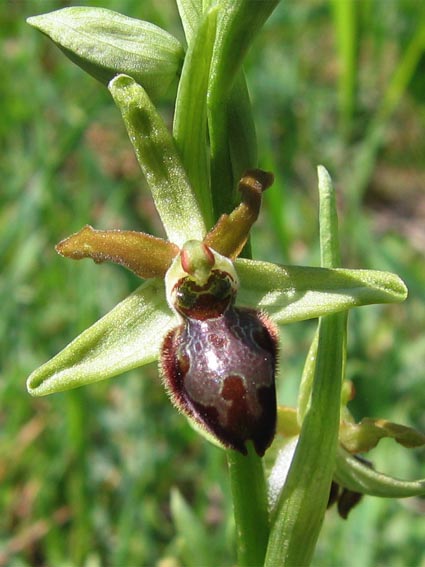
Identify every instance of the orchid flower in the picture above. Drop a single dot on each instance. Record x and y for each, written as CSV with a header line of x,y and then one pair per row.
x,y
132,334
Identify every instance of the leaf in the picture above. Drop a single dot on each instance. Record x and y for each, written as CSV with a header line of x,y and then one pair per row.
x,y
302,503
238,24
128,336
305,495
294,293
105,44
242,134
158,157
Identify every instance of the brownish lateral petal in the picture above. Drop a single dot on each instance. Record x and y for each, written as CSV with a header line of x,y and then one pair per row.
x,y
231,232
143,254
364,436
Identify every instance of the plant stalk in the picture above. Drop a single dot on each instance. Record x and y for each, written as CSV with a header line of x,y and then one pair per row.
x,y
249,492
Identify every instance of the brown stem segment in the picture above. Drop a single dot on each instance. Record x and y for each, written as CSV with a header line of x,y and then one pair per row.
x,y
231,232
143,254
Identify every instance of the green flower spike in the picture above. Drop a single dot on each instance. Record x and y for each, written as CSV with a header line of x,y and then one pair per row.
x,y
132,333
202,305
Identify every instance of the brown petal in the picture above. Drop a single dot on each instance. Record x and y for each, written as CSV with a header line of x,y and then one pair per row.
x,y
231,232
143,254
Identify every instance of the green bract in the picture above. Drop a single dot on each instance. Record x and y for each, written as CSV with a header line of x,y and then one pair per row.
x,y
105,43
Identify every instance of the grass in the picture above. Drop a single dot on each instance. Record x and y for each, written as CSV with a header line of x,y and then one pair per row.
x,y
86,476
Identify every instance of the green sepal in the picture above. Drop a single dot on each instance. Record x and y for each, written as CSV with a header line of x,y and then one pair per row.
x,y
128,336
294,293
158,157
359,476
105,44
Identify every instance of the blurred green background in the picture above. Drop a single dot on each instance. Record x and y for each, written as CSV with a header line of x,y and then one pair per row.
x,y
86,476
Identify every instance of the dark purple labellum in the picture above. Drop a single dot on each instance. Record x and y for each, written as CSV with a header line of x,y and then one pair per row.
x,y
219,365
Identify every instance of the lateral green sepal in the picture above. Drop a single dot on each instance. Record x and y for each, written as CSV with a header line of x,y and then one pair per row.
x,y
294,293
128,336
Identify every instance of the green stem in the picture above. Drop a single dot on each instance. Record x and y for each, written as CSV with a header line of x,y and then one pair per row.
x,y
346,23
250,506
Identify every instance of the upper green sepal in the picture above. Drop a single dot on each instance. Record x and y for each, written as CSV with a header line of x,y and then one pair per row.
x,y
174,197
105,43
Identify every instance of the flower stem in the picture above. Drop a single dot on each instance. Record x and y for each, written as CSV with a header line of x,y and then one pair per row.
x,y
250,506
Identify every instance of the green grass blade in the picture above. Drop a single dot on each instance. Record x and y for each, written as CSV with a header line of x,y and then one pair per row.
x,y
345,15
